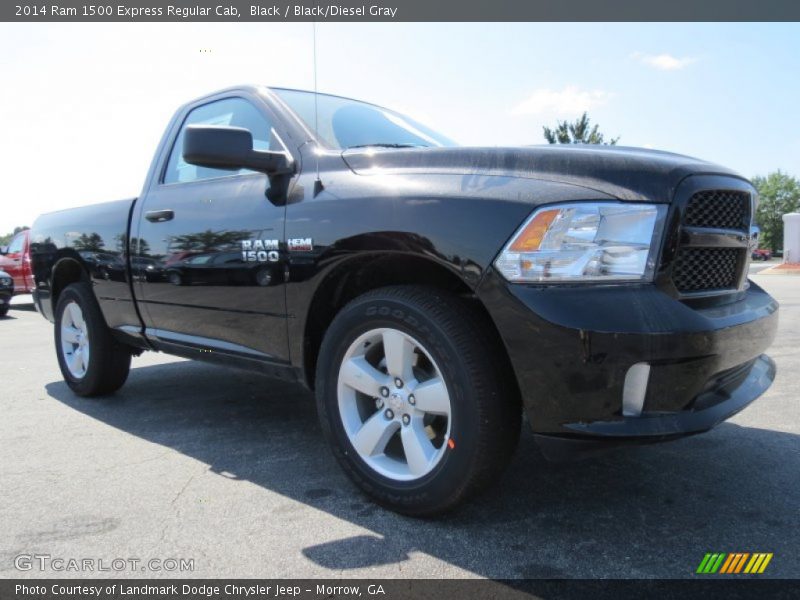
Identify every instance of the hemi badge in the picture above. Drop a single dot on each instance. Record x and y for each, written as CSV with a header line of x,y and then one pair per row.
x,y
300,244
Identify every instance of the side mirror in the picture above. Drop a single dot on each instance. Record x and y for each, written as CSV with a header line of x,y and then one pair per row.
x,y
230,148
3,250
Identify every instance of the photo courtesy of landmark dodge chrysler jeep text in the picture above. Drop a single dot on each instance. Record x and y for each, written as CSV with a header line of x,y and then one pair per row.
x,y
428,293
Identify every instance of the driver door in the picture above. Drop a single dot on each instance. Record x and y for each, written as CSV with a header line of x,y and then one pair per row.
x,y
193,217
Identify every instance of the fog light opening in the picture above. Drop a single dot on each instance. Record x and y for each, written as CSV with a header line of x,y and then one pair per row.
x,y
635,389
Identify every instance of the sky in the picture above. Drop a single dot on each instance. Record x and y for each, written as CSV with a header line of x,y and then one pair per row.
x,y
84,105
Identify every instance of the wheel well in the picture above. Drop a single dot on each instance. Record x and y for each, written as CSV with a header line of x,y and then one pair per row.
x,y
359,276
65,272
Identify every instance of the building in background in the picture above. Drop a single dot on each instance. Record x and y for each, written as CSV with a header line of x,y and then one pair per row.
x,y
791,238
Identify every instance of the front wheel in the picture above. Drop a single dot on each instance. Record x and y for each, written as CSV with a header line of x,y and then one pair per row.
x,y
414,400
91,360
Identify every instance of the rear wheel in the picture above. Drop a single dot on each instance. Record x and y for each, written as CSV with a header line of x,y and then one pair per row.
x,y
91,360
413,399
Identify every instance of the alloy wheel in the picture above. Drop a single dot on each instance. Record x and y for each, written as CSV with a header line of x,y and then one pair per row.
x,y
75,340
394,404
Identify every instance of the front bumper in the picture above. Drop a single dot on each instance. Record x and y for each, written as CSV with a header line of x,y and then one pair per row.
x,y
571,348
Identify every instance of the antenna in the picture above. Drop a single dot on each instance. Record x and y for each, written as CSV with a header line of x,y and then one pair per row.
x,y
318,187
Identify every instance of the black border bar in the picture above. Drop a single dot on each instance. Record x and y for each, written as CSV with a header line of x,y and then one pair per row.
x,y
398,10
707,588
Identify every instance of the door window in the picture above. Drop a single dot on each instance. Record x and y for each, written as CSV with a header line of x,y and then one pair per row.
x,y
16,245
231,112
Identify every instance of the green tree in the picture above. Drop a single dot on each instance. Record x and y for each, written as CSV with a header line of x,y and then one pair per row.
x,y
207,241
579,132
779,193
91,242
142,244
5,240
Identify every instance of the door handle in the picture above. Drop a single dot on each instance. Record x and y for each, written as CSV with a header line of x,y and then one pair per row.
x,y
159,216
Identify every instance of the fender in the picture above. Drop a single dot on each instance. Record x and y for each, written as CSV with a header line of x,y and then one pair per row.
x,y
94,238
390,259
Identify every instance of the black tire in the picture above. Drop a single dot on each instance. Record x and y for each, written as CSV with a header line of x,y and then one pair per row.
x,y
109,361
4,309
485,408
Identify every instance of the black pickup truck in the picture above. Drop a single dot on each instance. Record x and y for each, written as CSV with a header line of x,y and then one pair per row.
x,y
430,294
6,291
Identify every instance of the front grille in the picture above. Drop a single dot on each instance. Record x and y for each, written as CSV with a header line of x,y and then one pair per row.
x,y
718,209
705,260
706,269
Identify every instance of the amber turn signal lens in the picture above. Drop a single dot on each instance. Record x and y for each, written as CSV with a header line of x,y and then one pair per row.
x,y
530,238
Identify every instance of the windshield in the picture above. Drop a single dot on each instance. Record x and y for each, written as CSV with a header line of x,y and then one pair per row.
x,y
343,123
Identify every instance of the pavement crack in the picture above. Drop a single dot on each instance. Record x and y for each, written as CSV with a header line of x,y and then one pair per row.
x,y
182,490
166,523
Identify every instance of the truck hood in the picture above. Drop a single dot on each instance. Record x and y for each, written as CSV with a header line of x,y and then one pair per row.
x,y
622,172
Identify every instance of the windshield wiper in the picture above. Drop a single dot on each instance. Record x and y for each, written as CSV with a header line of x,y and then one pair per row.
x,y
382,145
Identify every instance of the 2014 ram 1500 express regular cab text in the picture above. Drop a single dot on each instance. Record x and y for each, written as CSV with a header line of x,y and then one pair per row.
x,y
428,293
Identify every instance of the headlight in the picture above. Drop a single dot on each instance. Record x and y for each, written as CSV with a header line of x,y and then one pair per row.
x,y
587,241
6,281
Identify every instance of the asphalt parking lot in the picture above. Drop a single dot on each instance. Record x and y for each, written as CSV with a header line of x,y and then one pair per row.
x,y
229,469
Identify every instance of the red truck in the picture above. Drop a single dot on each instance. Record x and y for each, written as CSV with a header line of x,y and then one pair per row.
x,y
15,260
761,254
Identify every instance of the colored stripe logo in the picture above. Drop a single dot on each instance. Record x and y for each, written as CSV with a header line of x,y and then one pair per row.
x,y
734,562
